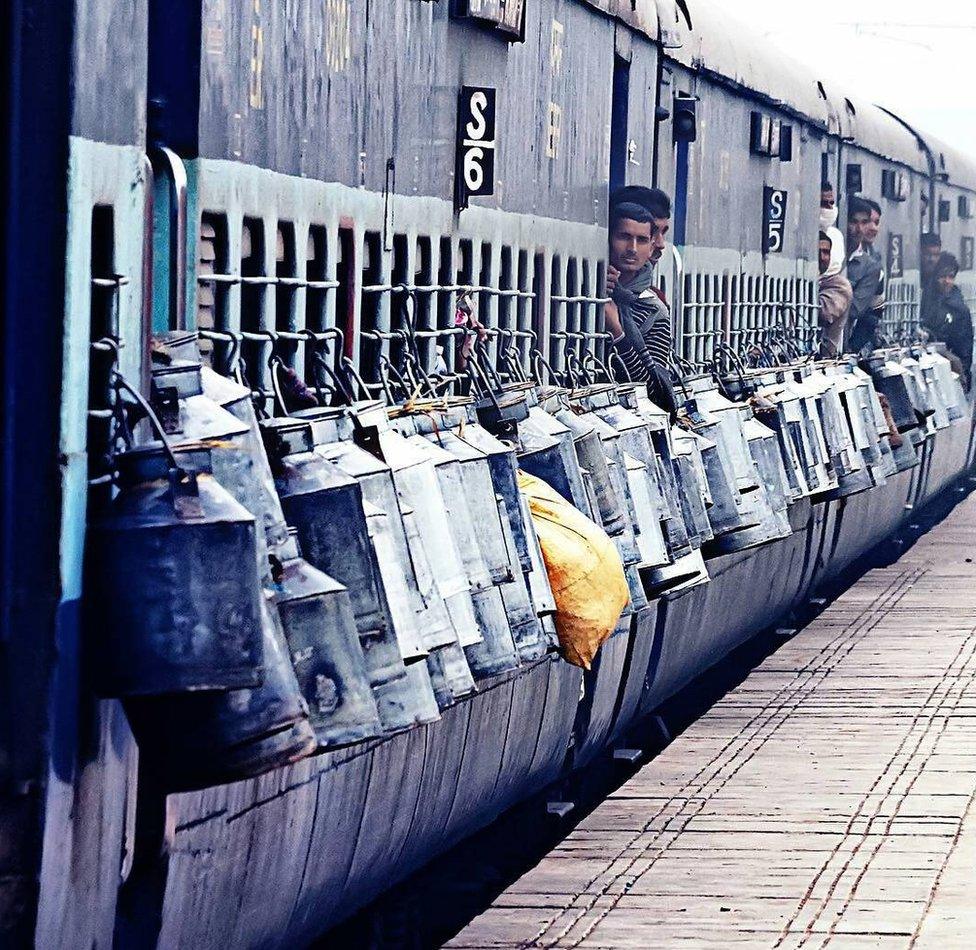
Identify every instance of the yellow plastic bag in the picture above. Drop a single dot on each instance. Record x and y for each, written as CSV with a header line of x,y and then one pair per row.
x,y
584,568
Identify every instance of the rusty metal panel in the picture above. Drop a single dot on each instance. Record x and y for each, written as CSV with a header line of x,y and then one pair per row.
x,y
366,95
109,61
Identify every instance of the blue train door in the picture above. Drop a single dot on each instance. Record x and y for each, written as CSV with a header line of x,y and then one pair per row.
x,y
618,123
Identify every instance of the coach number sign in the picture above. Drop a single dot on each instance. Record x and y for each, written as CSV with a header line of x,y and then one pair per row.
x,y
475,167
896,262
774,220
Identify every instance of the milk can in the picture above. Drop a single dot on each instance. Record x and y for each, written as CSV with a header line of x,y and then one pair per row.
x,y
547,450
824,478
693,488
436,559
922,397
496,652
764,446
848,463
190,417
419,612
320,630
724,499
236,399
599,457
659,426
944,382
641,470
890,378
326,508
172,583
493,527
194,740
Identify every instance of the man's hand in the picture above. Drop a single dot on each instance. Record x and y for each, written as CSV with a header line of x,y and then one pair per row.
x,y
611,320
613,275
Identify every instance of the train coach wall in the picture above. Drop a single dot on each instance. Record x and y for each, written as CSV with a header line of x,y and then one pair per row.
x,y
366,95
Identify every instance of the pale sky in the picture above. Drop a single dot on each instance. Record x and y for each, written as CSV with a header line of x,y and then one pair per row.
x,y
917,57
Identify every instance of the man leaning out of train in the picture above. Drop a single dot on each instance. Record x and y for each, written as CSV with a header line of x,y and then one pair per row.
x,y
865,272
637,316
835,291
949,319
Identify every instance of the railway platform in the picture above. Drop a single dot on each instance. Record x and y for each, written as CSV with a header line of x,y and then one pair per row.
x,y
826,801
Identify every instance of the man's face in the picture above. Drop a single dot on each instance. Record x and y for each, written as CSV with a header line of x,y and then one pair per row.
x,y
633,244
930,257
946,280
827,198
855,227
871,227
824,256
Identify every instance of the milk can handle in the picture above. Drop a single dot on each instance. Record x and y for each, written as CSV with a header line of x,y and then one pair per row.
x,y
122,383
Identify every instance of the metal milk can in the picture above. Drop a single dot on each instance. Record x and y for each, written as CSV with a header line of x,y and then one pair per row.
x,y
173,579
194,740
320,630
326,507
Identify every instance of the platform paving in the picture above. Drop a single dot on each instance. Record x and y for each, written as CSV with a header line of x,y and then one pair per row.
x,y
826,801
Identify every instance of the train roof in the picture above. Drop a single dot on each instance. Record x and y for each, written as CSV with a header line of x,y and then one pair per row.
x,y
954,165
877,130
721,45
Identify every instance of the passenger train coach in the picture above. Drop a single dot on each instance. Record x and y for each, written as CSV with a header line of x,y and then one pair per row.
x,y
319,188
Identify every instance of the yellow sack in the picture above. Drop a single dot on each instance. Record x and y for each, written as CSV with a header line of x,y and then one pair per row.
x,y
584,568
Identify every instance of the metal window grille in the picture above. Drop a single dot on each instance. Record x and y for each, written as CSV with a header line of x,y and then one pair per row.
x,y
104,324
901,313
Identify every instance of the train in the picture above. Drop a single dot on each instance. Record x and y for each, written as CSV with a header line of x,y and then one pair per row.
x,y
315,192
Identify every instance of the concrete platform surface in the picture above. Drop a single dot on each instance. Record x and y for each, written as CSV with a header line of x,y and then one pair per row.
x,y
825,802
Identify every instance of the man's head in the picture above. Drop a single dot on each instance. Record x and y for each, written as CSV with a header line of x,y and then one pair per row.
x,y
858,215
931,251
824,256
638,230
869,232
946,269
827,199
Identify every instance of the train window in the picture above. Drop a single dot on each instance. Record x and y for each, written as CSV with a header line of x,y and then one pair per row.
x,y
825,167
316,263
446,300
506,305
403,304
524,304
486,299
945,210
854,178
285,285
425,311
504,17
372,304
345,298
557,312
213,278
894,184
316,290
965,207
573,324
254,286
104,288
786,144
104,328
760,134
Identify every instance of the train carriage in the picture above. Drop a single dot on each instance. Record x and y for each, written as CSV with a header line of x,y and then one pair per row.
x,y
329,182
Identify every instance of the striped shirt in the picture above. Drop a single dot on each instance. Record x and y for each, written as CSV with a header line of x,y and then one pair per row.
x,y
654,322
